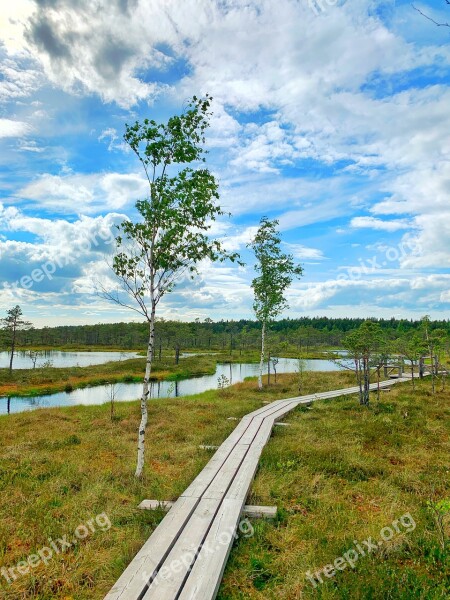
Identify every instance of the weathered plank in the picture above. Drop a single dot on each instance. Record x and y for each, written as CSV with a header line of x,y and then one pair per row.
x,y
251,511
206,574
133,580
259,512
183,554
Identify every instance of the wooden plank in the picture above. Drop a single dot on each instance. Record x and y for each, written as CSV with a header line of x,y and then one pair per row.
x,y
207,475
155,504
204,579
252,431
260,512
240,486
251,511
170,577
132,582
219,486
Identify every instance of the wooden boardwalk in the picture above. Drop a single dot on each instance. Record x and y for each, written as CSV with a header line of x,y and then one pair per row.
x,y
185,557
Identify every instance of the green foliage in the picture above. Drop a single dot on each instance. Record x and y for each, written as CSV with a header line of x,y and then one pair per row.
x,y
366,346
275,269
11,325
222,382
441,513
412,347
307,332
366,340
171,237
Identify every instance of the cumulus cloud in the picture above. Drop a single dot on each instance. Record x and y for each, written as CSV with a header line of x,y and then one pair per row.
x,y
317,116
10,128
64,251
398,294
127,33
76,194
433,241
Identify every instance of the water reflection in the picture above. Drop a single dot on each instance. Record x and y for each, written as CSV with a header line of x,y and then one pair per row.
x,y
158,389
57,358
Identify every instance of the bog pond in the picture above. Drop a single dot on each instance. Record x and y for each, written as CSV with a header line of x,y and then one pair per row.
x,y
233,373
59,359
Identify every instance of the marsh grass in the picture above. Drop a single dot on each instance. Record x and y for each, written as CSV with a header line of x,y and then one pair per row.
x,y
339,473
342,473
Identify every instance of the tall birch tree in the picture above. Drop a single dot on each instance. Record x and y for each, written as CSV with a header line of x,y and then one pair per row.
x,y
171,236
276,271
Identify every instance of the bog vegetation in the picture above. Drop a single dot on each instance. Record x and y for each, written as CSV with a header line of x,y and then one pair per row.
x,y
329,475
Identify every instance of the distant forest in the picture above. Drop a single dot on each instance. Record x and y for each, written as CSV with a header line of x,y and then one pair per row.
x,y
305,333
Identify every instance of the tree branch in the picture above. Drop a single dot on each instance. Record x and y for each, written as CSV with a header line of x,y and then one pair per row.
x,y
430,18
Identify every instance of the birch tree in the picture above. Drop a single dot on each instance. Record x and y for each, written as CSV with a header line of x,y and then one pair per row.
x,y
171,236
12,324
276,271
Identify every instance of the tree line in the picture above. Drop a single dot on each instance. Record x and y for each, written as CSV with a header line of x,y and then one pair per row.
x,y
306,333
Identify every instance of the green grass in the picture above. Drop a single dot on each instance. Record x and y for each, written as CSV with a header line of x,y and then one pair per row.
x,y
342,473
339,473
253,356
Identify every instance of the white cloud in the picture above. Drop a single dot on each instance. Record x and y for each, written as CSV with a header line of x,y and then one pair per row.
x,y
399,294
432,241
71,252
76,194
303,252
328,86
13,17
10,128
111,136
378,224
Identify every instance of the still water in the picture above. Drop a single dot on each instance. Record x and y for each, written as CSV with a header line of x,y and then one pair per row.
x,y
58,359
161,389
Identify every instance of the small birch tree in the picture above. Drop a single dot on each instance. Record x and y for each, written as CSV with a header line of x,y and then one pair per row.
x,y
171,236
12,324
276,272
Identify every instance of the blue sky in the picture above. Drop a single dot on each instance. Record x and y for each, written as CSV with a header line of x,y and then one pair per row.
x,y
329,115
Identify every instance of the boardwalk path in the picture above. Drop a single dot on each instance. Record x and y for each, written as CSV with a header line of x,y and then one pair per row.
x,y
185,557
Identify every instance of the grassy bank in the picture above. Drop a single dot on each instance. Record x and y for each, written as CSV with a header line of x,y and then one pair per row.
x,y
339,473
253,356
32,382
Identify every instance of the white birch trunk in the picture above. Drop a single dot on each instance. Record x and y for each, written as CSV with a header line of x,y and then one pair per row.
x,y
144,397
261,362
